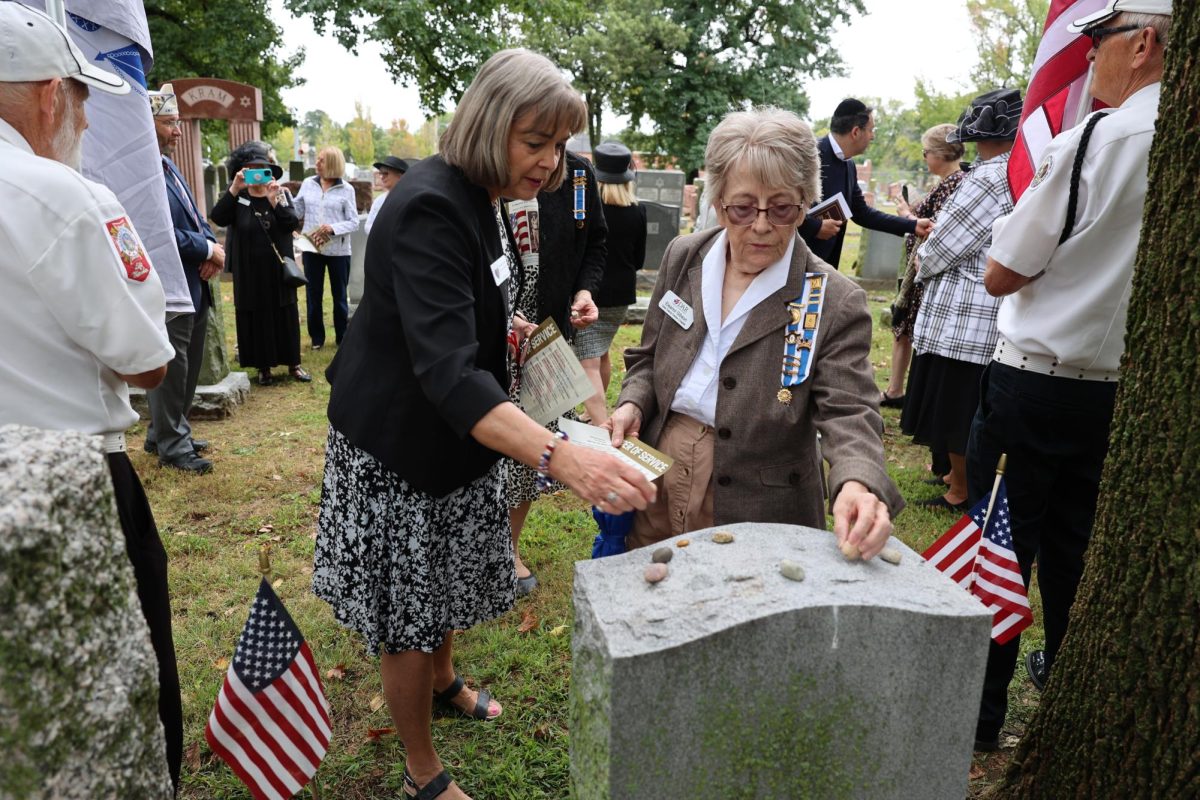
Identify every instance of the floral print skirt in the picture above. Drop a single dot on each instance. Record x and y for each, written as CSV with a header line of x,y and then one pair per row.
x,y
402,567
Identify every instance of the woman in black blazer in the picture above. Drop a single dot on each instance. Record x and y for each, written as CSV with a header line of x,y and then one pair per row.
x,y
413,538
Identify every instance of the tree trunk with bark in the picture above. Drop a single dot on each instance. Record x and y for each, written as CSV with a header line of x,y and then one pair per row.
x,y
1121,716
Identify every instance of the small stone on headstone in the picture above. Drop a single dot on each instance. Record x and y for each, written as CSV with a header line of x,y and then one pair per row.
x,y
655,573
722,537
850,551
662,555
682,543
791,570
891,556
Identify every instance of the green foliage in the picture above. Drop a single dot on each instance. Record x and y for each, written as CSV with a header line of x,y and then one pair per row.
x,y
360,136
736,54
228,39
1007,33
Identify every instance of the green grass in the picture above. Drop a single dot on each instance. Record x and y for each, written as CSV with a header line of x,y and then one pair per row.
x,y
265,490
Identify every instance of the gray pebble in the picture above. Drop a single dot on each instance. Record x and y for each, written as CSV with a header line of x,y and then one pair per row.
x,y
722,537
662,555
791,570
655,573
889,555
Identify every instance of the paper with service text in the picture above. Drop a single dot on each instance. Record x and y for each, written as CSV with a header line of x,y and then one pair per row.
x,y
552,380
651,462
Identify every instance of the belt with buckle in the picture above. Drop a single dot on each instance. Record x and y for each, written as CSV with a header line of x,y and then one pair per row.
x,y
1010,355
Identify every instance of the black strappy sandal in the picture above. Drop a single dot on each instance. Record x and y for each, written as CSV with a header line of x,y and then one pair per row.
x,y
482,702
433,789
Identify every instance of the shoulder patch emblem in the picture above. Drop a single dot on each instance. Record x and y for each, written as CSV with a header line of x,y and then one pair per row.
x,y
1043,171
129,248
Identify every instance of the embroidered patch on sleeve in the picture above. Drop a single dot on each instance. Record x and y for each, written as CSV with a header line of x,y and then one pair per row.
x,y
1043,171
129,248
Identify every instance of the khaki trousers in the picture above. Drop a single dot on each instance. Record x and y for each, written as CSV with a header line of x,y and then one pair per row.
x,y
685,494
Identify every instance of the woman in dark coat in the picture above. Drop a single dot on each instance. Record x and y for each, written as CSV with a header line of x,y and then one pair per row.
x,y
259,221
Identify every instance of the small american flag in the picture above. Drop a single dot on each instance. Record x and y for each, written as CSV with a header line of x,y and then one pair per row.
x,y
983,562
1055,99
271,720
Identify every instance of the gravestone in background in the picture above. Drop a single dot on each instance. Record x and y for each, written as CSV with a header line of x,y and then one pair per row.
x,y
358,251
78,677
728,680
295,171
880,258
662,225
661,186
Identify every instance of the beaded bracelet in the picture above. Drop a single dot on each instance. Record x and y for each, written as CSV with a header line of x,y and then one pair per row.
x,y
544,481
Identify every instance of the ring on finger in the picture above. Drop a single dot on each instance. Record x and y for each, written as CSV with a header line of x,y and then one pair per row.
x,y
611,497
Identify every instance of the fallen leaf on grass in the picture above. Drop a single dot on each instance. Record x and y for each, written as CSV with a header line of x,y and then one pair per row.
x,y
976,773
336,673
277,583
266,529
529,621
377,703
230,611
276,477
558,630
541,732
191,756
375,734
221,663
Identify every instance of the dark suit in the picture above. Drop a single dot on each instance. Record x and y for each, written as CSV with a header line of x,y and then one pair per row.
x,y
842,176
169,430
425,359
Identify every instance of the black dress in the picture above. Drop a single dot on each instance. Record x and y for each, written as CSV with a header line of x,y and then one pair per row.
x,y
268,320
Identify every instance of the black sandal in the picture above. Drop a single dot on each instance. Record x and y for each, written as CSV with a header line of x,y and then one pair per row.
x,y
433,789
482,702
265,378
297,372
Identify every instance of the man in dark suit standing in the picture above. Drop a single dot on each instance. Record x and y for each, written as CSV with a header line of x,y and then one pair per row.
x,y
850,133
169,433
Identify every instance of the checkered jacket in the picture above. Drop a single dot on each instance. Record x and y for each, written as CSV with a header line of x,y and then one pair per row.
x,y
958,317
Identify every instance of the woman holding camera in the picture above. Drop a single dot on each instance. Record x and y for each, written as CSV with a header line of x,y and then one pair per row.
x,y
259,220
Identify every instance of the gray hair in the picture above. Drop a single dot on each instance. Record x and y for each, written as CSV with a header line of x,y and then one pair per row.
x,y
775,146
511,84
1160,22
934,140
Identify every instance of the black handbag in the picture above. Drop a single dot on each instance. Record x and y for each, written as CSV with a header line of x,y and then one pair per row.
x,y
293,276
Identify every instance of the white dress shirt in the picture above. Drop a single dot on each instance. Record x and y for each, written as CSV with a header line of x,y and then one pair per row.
x,y
1075,310
81,300
697,393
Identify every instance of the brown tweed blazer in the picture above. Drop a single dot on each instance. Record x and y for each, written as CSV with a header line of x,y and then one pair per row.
x,y
766,461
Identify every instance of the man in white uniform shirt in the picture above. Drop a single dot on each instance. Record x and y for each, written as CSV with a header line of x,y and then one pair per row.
x,y
1047,397
82,309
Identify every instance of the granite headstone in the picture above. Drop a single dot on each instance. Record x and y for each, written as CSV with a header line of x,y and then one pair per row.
x,y
728,679
78,677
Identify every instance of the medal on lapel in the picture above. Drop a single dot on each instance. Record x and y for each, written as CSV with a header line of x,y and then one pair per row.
x,y
800,336
580,183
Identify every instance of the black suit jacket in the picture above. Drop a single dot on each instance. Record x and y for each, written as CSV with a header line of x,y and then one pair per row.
x,y
842,176
190,240
424,358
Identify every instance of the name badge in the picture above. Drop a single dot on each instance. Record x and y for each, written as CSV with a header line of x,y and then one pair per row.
x,y
674,307
243,201
500,270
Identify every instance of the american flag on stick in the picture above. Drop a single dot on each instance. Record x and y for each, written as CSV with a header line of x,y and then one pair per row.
x,y
1057,97
977,554
271,720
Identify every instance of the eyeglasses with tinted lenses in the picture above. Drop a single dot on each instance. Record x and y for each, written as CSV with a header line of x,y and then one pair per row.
x,y
780,214
1098,35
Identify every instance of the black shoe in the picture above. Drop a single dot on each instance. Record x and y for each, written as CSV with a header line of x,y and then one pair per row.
x,y
936,480
891,402
265,378
198,446
986,745
190,463
526,585
298,374
942,503
1035,665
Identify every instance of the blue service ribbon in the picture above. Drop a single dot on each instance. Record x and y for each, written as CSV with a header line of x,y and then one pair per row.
x,y
580,184
800,338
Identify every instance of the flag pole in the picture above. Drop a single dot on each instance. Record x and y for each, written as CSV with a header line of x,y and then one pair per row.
x,y
1000,467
